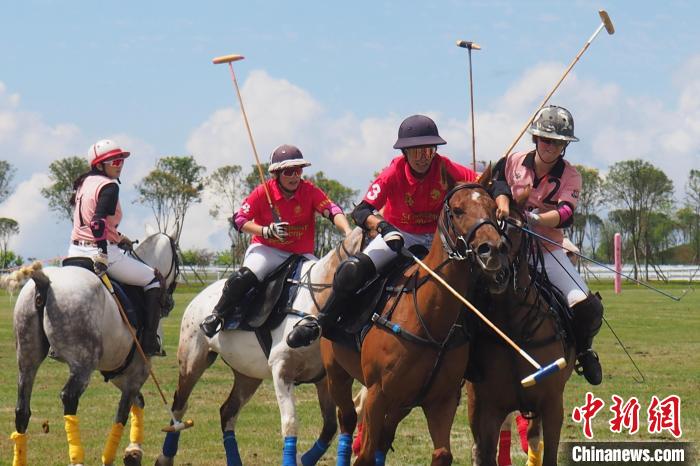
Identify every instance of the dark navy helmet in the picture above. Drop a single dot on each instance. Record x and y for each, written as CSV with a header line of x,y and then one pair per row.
x,y
417,131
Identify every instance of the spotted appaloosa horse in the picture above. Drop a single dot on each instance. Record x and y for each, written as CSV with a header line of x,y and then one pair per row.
x,y
69,310
243,354
420,357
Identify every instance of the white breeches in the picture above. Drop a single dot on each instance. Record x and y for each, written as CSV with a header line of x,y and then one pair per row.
x,y
262,259
381,254
563,275
122,267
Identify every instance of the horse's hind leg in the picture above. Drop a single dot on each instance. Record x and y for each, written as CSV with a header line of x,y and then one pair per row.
x,y
243,389
330,425
70,395
552,419
30,354
134,455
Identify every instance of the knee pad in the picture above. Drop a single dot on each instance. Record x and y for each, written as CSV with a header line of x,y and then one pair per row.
x,y
352,273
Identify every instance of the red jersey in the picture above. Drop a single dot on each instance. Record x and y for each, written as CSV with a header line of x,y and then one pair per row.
x,y
299,211
413,204
561,184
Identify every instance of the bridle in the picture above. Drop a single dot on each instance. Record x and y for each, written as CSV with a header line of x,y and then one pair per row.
x,y
460,248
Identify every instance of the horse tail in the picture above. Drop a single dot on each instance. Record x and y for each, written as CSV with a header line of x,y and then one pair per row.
x,y
13,281
42,283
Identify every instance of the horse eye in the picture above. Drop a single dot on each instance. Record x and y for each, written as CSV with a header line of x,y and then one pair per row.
x,y
458,211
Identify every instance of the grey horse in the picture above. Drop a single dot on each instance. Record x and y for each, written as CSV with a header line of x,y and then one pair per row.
x,y
69,311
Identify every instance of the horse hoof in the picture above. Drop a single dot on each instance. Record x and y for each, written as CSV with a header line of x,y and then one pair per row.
x,y
164,461
133,458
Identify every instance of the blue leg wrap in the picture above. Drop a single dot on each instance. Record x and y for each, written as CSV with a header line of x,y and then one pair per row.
x,y
170,444
311,457
379,458
233,458
289,453
344,450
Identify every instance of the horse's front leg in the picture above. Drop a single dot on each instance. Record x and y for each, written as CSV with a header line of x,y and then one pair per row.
x,y
552,419
440,414
284,391
330,425
485,424
243,389
134,452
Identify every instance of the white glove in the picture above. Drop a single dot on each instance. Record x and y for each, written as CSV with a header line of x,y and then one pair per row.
x,y
276,230
100,263
533,217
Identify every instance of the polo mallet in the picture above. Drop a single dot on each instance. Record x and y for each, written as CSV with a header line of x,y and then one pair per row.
x,y
519,225
230,59
471,46
531,379
605,23
176,425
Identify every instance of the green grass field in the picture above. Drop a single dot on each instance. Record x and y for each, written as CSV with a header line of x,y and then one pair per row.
x,y
660,334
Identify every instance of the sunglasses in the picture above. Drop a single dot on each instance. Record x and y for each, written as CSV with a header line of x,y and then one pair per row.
x,y
552,142
116,163
292,171
422,152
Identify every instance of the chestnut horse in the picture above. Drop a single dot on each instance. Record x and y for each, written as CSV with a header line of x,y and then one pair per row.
x,y
416,353
529,314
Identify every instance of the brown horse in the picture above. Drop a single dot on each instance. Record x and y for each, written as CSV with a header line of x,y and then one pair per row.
x,y
527,313
416,354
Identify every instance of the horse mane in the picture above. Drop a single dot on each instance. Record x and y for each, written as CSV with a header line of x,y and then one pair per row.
x,y
15,280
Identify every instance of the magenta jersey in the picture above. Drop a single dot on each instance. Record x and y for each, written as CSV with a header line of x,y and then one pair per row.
x,y
299,211
413,204
561,184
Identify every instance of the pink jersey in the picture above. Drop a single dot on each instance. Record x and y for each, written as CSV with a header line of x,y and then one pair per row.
x,y
561,185
85,204
413,204
299,211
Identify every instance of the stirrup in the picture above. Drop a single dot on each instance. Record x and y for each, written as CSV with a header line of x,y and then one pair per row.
x,y
206,325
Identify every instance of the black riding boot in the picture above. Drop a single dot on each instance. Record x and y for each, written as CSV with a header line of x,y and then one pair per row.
x,y
588,317
149,337
350,276
236,286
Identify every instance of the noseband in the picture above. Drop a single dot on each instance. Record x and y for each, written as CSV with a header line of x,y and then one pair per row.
x,y
459,248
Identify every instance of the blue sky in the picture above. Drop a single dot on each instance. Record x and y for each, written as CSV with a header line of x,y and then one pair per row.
x,y
334,78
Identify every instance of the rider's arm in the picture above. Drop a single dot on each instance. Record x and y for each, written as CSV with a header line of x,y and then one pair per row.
x,y
106,205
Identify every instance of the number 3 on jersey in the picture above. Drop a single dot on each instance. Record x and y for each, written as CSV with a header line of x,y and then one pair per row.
x,y
373,192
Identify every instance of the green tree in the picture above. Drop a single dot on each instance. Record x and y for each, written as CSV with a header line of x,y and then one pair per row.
x,y
170,189
640,189
228,184
10,259
692,192
7,172
326,235
63,173
8,228
589,202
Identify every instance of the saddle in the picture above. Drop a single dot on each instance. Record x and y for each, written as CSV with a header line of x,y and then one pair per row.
x,y
352,327
266,305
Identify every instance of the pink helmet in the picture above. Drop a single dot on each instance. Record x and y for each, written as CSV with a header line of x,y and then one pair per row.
x,y
104,150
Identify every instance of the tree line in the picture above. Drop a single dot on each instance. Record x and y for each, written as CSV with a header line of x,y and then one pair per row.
x,y
635,199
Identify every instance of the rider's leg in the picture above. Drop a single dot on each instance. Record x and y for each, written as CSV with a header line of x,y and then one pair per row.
x,y
128,270
587,310
588,317
350,276
259,261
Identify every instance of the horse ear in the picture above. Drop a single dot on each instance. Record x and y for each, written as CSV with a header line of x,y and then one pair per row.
x,y
486,177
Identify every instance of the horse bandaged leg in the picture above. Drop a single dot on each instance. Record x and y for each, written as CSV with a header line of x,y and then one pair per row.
x,y
522,424
19,456
136,429
289,452
344,450
315,453
535,456
109,453
75,447
170,444
379,458
504,439
233,456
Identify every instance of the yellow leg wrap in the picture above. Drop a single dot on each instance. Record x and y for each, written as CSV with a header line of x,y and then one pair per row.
x,y
535,457
75,448
110,451
20,450
136,431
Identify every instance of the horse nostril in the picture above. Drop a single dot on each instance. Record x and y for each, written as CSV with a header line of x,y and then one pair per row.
x,y
484,249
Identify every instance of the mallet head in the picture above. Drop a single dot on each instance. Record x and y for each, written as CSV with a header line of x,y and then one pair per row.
x,y
605,18
227,59
178,426
465,44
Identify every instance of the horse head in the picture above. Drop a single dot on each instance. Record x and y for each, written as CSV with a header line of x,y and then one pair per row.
x,y
469,231
160,252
